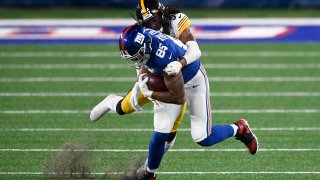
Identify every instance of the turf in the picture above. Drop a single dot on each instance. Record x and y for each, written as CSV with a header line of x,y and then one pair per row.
x,y
21,130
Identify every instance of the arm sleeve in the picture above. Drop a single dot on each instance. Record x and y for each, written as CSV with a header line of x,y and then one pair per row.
x,y
193,52
179,23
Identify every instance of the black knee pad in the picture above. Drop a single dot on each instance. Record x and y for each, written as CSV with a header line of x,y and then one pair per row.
x,y
119,109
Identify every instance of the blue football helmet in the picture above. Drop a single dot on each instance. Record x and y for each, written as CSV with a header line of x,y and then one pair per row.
x,y
135,45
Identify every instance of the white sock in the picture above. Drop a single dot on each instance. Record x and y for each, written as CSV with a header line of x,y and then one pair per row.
x,y
145,165
152,170
112,104
235,129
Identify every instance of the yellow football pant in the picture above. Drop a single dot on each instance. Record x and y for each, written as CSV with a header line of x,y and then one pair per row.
x,y
127,108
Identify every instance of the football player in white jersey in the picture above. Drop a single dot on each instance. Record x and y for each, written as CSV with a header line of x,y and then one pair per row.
x,y
154,15
154,51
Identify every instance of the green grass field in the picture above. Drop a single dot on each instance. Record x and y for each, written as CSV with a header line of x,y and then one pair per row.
x,y
47,92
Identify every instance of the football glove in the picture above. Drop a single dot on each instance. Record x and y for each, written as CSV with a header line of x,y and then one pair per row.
x,y
144,87
135,92
173,68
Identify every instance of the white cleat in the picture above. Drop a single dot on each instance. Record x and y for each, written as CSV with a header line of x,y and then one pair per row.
x,y
102,108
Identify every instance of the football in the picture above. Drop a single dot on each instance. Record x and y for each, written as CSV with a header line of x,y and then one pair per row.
x,y
156,82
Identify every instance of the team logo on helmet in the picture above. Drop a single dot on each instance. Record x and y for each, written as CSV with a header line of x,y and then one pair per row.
x,y
135,45
140,38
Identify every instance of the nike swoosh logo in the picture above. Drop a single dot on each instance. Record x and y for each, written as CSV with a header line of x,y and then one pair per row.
x,y
194,86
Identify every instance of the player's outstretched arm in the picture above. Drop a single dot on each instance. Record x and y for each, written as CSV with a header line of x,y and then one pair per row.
x,y
193,51
180,24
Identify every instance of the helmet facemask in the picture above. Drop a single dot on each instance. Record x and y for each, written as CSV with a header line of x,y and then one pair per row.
x,y
140,58
153,22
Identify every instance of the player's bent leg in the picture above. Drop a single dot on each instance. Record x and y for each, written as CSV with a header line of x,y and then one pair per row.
x,y
242,132
164,118
171,138
156,150
125,107
104,106
218,134
168,145
174,111
115,103
198,99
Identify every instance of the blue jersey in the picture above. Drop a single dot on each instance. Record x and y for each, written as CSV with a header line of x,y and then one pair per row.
x,y
165,49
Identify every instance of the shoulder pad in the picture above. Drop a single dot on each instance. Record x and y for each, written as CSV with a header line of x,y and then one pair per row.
x,y
179,23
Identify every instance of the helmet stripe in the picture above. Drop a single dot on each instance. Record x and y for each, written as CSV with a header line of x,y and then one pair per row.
x,y
123,36
144,11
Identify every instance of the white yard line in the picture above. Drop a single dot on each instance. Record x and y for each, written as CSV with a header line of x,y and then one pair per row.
x,y
98,94
171,150
217,111
137,129
188,172
132,79
89,54
125,66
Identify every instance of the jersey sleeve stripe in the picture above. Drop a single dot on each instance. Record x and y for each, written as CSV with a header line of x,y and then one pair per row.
x,y
182,21
184,26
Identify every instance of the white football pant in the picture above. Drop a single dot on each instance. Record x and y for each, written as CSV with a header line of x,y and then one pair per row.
x,y
198,99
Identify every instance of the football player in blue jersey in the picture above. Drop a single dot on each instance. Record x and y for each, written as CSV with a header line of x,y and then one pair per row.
x,y
153,51
154,15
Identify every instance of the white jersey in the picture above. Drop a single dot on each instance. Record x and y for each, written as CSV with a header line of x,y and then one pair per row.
x,y
178,24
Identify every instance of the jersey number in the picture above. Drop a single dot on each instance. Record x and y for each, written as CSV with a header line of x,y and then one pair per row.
x,y
161,52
